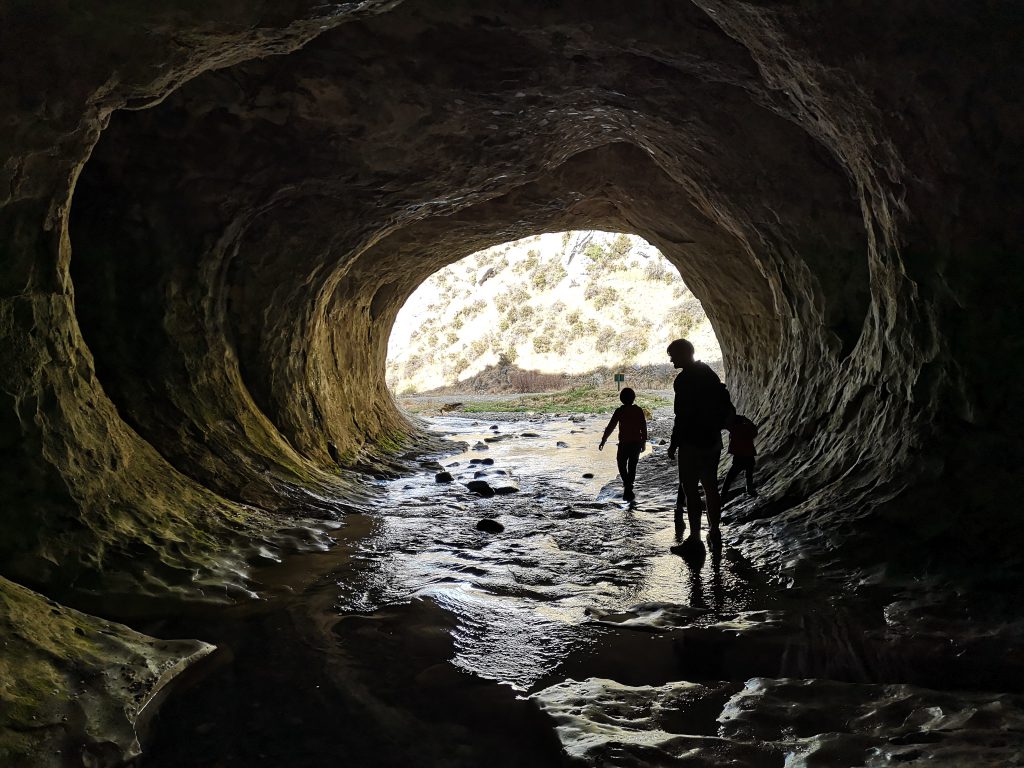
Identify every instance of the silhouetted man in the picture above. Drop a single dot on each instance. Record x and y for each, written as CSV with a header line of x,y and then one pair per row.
x,y
702,405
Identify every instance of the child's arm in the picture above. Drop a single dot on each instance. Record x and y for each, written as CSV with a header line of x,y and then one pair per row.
x,y
643,426
608,429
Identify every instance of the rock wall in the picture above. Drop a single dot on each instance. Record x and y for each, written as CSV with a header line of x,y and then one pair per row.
x,y
210,216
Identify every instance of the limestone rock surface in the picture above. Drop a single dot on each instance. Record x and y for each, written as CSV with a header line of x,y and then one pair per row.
x,y
211,213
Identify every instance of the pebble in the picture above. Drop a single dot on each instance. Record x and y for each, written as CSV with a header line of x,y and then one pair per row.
x,y
443,477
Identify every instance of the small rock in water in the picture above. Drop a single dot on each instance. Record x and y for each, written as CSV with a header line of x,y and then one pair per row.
x,y
495,438
488,462
561,444
494,427
443,477
481,487
476,461
588,475
529,434
480,447
454,464
490,526
663,441
577,418
480,473
506,488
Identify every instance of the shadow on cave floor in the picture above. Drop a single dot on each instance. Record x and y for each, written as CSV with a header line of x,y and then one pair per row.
x,y
421,640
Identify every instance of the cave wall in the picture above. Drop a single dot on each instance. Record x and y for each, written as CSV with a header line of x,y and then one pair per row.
x,y
282,179
211,213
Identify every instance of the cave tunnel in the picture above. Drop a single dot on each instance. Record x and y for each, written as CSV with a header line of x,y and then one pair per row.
x,y
212,216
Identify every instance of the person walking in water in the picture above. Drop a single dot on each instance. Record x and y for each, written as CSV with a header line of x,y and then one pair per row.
x,y
632,438
702,406
742,432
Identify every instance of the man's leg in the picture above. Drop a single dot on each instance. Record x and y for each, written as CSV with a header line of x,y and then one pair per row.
x,y
731,475
689,478
709,479
621,458
750,477
634,459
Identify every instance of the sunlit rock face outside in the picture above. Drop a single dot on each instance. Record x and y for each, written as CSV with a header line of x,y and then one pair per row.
x,y
561,304
211,217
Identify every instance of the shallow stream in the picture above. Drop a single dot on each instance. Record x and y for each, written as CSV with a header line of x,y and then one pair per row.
x,y
572,635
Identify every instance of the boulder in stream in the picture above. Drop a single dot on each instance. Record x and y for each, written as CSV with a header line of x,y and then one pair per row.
x,y
489,525
481,487
443,477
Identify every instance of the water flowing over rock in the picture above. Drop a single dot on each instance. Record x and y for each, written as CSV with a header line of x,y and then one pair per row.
x,y
211,214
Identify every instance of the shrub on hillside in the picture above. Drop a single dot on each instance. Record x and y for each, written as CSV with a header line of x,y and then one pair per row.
x,y
620,246
547,276
680,321
601,296
601,260
658,271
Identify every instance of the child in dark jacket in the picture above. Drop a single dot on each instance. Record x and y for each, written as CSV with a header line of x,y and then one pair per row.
x,y
742,432
632,439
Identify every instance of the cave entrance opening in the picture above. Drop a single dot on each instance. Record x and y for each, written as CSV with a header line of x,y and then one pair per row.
x,y
546,322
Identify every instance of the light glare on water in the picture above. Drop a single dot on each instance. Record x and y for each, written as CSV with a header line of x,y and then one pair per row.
x,y
571,551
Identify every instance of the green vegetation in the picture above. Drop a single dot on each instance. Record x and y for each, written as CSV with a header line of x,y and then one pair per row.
x,y
603,260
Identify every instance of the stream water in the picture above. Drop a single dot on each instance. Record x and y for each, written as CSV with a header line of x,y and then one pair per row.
x,y
572,636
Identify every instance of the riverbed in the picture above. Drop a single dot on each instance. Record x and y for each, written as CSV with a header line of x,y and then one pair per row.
x,y
573,635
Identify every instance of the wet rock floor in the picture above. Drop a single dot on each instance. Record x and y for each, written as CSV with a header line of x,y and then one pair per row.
x,y
572,636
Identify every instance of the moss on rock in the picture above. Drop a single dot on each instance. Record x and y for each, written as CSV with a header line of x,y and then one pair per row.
x,y
73,684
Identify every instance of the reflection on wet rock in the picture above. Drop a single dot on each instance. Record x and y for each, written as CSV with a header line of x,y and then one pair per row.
x,y
607,723
834,723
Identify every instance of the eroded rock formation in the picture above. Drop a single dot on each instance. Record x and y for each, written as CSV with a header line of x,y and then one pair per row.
x,y
210,218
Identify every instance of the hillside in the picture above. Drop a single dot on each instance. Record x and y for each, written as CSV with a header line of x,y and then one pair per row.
x,y
564,303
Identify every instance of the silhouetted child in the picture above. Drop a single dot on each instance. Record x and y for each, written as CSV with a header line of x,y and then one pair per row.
x,y
632,439
742,432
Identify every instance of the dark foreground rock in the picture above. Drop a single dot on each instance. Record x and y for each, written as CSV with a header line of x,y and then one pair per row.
x,y
443,477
